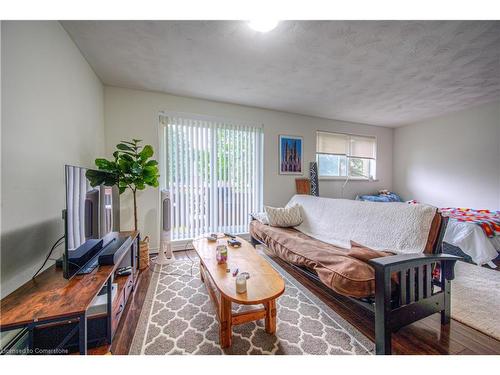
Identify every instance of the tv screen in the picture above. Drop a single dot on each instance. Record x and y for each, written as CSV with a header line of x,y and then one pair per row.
x,y
92,213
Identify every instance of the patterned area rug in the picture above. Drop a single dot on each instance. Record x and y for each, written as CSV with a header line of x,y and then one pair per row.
x,y
178,318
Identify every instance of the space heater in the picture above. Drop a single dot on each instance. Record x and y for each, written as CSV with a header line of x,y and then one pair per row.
x,y
165,254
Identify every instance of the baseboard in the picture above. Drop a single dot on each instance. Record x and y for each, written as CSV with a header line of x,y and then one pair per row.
x,y
182,245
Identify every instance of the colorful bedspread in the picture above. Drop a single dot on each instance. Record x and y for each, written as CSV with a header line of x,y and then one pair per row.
x,y
489,221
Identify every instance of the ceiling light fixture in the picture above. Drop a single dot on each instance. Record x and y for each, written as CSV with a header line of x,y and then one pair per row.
x,y
263,25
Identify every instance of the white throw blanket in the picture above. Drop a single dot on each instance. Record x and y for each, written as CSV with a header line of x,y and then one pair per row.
x,y
397,227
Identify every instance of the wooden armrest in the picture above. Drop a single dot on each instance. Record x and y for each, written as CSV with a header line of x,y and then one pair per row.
x,y
404,260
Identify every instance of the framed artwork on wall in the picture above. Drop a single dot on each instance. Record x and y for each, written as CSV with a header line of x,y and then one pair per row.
x,y
290,155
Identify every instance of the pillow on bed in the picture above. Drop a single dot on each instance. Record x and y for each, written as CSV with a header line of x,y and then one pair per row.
x,y
284,217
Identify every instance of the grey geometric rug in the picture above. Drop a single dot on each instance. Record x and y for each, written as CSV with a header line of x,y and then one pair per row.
x,y
178,318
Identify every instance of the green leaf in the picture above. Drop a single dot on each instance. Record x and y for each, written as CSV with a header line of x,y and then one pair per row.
x,y
129,143
150,171
136,168
97,178
149,179
127,181
124,147
137,140
121,189
146,152
94,177
151,163
104,164
127,157
125,165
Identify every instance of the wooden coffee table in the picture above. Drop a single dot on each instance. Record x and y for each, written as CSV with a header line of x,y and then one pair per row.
x,y
264,286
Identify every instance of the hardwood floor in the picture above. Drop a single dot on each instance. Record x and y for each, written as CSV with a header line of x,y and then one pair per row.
x,y
423,337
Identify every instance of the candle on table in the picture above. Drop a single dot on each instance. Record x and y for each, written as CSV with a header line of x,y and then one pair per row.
x,y
241,284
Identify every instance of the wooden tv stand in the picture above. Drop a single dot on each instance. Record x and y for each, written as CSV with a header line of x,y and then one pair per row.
x,y
51,301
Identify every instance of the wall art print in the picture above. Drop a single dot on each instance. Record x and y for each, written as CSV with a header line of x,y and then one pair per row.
x,y
290,155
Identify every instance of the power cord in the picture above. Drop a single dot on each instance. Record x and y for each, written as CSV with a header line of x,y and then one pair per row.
x,y
343,187
152,269
56,244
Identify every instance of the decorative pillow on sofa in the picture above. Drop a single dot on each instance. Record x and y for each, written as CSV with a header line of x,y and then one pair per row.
x,y
261,217
284,217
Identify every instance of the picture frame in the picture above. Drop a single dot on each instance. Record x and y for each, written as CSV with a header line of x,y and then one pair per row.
x,y
291,155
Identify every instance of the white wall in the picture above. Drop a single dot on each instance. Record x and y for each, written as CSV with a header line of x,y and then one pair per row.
x,y
52,114
451,161
134,114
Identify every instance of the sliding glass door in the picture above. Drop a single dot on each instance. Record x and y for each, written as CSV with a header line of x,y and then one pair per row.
x,y
213,172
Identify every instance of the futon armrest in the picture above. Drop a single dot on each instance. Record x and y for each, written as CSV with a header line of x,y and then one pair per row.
x,y
396,261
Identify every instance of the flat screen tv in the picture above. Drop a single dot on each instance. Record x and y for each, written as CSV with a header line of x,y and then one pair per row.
x,y
91,216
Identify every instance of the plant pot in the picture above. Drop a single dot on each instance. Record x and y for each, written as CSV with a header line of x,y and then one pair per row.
x,y
144,253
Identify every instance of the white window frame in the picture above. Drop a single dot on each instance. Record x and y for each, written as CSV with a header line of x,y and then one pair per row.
x,y
348,176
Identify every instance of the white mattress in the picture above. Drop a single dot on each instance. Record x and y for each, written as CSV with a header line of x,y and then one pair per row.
x,y
470,238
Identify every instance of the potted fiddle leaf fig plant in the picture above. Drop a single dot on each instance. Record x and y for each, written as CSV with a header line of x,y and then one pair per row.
x,y
132,168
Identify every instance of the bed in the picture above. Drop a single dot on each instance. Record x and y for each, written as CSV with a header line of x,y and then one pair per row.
x,y
382,196
465,239
469,241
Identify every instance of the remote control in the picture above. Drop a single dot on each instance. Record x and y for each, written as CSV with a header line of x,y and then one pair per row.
x,y
229,235
234,243
124,271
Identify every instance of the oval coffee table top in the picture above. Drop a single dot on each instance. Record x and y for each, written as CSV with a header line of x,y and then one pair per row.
x,y
264,283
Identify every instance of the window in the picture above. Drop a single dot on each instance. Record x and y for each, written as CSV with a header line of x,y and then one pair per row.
x,y
213,170
345,155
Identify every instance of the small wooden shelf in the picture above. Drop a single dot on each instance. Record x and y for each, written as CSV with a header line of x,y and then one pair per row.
x,y
125,286
121,282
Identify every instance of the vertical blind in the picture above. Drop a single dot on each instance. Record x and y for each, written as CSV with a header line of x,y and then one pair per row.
x,y
213,173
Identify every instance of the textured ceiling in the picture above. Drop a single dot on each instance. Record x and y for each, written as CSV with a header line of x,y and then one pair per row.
x,y
376,72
